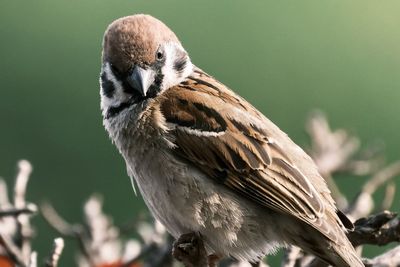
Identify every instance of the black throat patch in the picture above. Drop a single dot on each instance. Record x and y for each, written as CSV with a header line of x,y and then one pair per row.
x,y
108,89
136,98
114,111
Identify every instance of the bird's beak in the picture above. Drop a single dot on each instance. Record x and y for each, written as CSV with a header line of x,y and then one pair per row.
x,y
141,79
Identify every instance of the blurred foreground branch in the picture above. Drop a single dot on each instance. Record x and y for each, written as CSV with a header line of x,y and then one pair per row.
x,y
16,232
101,242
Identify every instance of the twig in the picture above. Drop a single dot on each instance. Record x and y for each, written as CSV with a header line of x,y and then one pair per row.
x,y
4,200
390,192
21,182
66,229
364,203
58,246
389,259
33,259
330,149
290,257
379,229
382,177
16,232
12,250
24,228
57,222
29,209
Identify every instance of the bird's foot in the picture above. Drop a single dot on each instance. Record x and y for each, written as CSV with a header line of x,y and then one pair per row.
x,y
189,249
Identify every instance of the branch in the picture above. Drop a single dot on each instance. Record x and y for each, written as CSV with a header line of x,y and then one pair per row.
x,y
388,259
58,246
390,192
331,150
12,250
4,200
334,151
379,229
364,203
100,241
33,259
290,257
15,229
66,229
57,222
382,177
29,210
24,228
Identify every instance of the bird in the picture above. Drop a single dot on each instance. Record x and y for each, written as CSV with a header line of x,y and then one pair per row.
x,y
205,160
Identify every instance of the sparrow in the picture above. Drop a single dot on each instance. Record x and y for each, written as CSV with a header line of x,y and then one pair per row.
x,y
205,160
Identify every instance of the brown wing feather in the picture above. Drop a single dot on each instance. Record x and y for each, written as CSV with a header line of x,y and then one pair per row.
x,y
229,140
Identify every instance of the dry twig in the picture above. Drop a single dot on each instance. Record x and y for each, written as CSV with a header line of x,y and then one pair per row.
x,y
379,229
388,259
54,257
100,241
15,229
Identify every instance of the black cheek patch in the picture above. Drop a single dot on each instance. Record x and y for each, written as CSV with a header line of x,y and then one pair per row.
x,y
107,86
180,64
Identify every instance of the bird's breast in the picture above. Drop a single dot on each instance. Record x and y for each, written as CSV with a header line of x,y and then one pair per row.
x,y
167,188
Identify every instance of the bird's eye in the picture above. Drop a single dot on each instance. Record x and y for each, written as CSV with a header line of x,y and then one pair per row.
x,y
159,55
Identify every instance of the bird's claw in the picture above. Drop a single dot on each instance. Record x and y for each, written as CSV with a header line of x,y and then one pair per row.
x,y
189,249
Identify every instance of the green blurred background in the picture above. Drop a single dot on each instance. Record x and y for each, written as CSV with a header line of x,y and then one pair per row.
x,y
285,57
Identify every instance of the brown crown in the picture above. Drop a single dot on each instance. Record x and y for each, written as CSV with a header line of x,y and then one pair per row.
x,y
134,40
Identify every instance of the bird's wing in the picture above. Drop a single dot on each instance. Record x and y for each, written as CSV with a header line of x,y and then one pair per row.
x,y
230,141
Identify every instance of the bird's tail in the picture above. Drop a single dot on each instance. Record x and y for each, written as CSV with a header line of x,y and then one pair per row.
x,y
339,255
348,255
343,256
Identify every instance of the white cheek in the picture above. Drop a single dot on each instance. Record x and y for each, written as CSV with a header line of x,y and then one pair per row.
x,y
171,76
119,95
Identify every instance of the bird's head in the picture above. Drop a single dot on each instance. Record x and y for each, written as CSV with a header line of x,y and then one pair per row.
x,y
141,58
